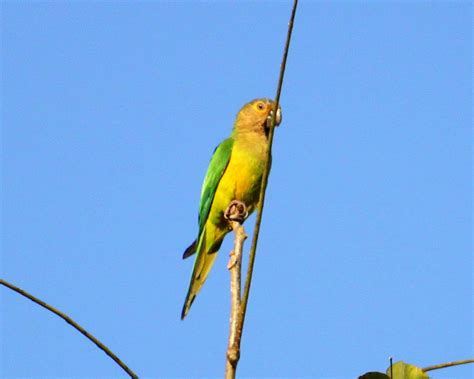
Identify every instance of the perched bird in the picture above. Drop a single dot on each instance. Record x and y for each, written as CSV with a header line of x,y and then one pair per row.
x,y
234,173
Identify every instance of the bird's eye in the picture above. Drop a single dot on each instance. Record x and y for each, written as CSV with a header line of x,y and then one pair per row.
x,y
260,106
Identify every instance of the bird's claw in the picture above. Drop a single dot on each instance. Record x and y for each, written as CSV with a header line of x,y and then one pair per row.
x,y
236,211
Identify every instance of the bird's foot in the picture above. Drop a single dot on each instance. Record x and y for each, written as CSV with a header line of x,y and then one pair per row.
x,y
236,211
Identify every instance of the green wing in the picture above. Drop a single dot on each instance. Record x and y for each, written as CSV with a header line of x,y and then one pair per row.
x,y
219,162
217,166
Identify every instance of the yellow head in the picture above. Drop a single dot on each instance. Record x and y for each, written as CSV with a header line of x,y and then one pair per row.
x,y
256,116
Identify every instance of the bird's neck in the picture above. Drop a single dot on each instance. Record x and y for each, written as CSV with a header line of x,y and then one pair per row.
x,y
254,143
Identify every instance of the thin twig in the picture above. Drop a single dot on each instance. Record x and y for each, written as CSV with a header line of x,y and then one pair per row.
x,y
448,364
253,249
239,305
235,268
71,322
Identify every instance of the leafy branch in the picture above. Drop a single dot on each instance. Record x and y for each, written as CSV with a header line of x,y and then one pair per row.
x,y
402,370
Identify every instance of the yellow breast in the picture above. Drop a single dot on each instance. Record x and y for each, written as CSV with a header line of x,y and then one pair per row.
x,y
241,180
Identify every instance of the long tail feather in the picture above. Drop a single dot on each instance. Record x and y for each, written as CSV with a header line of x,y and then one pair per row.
x,y
206,254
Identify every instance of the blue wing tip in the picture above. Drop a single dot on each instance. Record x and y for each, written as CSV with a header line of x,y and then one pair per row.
x,y
190,250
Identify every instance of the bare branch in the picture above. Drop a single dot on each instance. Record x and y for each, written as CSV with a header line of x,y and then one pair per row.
x,y
235,214
448,364
71,322
266,172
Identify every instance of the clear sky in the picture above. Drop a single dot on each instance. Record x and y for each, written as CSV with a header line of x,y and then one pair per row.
x,y
110,113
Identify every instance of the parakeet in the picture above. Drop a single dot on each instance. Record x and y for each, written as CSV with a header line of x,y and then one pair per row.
x,y
234,173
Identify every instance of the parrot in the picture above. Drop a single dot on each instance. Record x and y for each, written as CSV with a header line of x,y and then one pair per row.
x,y
234,174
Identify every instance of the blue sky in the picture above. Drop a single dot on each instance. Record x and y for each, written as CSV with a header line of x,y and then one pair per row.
x,y
110,113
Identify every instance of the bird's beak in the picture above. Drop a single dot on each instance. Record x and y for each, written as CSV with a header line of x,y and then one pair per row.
x,y
278,117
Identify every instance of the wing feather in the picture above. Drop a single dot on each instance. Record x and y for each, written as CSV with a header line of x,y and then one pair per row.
x,y
219,162
217,166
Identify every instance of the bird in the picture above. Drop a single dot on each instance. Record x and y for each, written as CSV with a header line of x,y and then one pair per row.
x,y
234,175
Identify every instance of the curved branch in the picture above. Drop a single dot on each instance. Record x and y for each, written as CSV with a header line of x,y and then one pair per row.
x,y
74,324
266,172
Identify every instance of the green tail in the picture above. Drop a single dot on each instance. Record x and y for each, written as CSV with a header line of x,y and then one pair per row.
x,y
202,266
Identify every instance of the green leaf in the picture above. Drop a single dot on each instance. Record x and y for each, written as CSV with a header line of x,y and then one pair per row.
x,y
374,375
402,370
